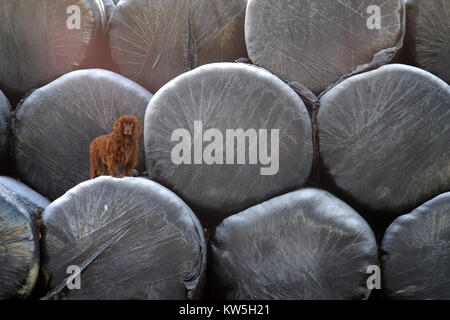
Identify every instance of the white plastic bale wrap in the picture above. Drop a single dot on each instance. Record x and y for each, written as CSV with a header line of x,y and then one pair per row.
x,y
221,97
384,138
131,238
416,253
153,41
318,42
36,43
303,245
19,245
56,124
428,36
5,109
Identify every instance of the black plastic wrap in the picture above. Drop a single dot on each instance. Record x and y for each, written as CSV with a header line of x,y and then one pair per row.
x,y
384,139
19,245
228,96
36,44
21,195
56,124
303,245
5,109
153,41
318,42
131,238
428,36
416,253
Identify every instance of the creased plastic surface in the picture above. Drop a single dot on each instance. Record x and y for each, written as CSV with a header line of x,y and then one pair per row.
x,y
19,246
20,195
384,138
303,245
5,109
416,253
36,45
318,42
160,251
109,8
228,96
153,41
428,36
56,124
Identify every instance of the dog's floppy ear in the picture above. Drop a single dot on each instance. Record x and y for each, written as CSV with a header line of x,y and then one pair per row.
x,y
137,129
117,130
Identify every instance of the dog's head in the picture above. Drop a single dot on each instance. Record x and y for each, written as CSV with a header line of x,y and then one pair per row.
x,y
128,126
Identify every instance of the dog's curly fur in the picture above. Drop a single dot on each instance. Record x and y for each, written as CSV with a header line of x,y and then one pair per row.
x,y
118,149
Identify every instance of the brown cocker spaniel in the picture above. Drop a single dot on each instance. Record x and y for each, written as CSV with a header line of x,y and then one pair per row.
x,y
118,149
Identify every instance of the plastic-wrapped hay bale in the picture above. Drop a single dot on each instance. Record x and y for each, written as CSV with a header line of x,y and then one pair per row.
x,y
303,245
384,138
227,136
428,36
318,42
5,109
131,239
19,194
19,247
153,41
56,124
43,39
416,253
34,203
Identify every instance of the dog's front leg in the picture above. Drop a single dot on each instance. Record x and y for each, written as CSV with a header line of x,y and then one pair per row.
x,y
113,167
128,171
